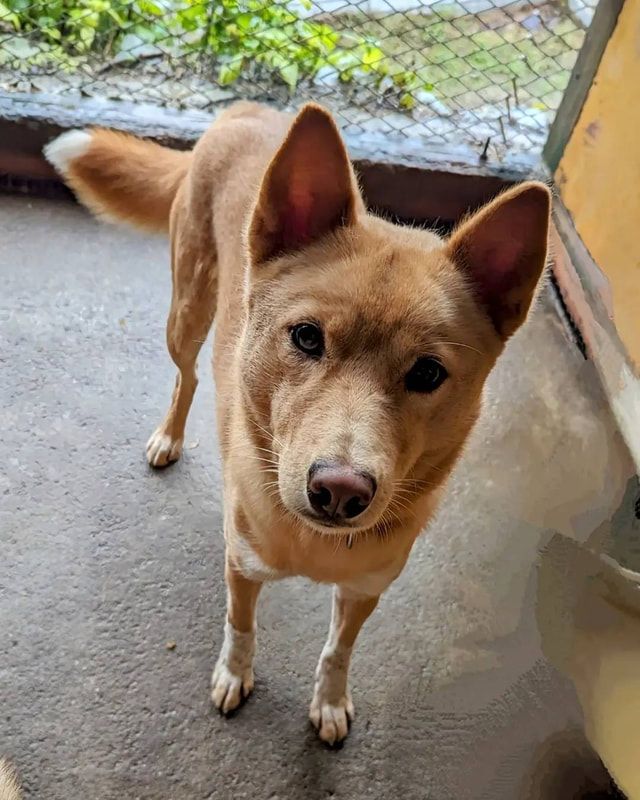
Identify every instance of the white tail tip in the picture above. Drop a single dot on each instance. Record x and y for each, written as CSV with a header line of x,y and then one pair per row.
x,y
9,787
66,147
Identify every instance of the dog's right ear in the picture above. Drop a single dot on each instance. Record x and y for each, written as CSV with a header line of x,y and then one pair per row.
x,y
502,249
308,189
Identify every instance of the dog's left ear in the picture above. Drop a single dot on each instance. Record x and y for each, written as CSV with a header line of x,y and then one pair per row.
x,y
503,250
308,189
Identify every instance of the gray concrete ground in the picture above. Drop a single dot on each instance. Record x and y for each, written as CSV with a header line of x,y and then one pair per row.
x,y
103,562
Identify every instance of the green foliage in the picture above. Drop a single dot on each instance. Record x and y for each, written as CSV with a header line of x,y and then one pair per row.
x,y
237,34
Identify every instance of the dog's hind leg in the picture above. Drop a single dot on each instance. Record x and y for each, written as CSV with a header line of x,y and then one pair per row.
x,y
193,306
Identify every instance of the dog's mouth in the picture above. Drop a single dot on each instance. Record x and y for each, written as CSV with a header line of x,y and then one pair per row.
x,y
329,525
336,526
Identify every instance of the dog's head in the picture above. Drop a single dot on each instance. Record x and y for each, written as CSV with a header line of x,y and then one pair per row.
x,y
366,344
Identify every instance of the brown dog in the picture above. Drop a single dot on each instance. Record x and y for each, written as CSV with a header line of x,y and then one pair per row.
x,y
350,353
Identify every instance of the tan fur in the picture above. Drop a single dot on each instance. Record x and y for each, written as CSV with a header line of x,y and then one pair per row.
x,y
9,785
125,179
268,229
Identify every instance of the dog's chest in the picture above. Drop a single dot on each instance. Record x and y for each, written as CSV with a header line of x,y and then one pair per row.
x,y
364,573
252,565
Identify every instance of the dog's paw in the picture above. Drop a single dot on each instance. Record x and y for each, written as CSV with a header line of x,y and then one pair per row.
x,y
162,450
331,709
229,690
232,679
331,719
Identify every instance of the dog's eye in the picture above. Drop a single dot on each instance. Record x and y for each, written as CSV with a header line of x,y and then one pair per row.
x,y
307,337
425,376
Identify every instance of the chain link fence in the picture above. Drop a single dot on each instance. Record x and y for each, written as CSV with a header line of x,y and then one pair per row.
x,y
485,73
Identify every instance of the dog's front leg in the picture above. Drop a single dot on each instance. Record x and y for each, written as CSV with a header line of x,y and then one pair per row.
x,y
232,679
331,708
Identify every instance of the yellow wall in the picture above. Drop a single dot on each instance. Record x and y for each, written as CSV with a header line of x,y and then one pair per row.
x,y
599,175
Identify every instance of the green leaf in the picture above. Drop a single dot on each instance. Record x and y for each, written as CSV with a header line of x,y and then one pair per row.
x,y
87,35
7,15
99,6
251,44
246,21
149,7
115,17
289,75
52,33
372,56
407,101
230,72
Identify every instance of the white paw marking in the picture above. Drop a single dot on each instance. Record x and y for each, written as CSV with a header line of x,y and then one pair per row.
x,y
232,679
65,148
331,721
162,449
331,708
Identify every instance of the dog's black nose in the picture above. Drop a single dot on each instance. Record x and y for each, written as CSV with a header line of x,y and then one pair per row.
x,y
337,491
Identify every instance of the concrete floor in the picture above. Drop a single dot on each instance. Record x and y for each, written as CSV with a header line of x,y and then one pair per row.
x,y
104,561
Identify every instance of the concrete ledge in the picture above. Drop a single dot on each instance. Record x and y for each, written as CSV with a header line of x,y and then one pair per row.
x,y
398,176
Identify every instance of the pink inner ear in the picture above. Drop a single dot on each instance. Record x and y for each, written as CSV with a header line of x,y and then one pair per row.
x,y
297,218
500,263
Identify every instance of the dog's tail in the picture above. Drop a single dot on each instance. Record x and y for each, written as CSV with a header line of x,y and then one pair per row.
x,y
9,786
120,177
